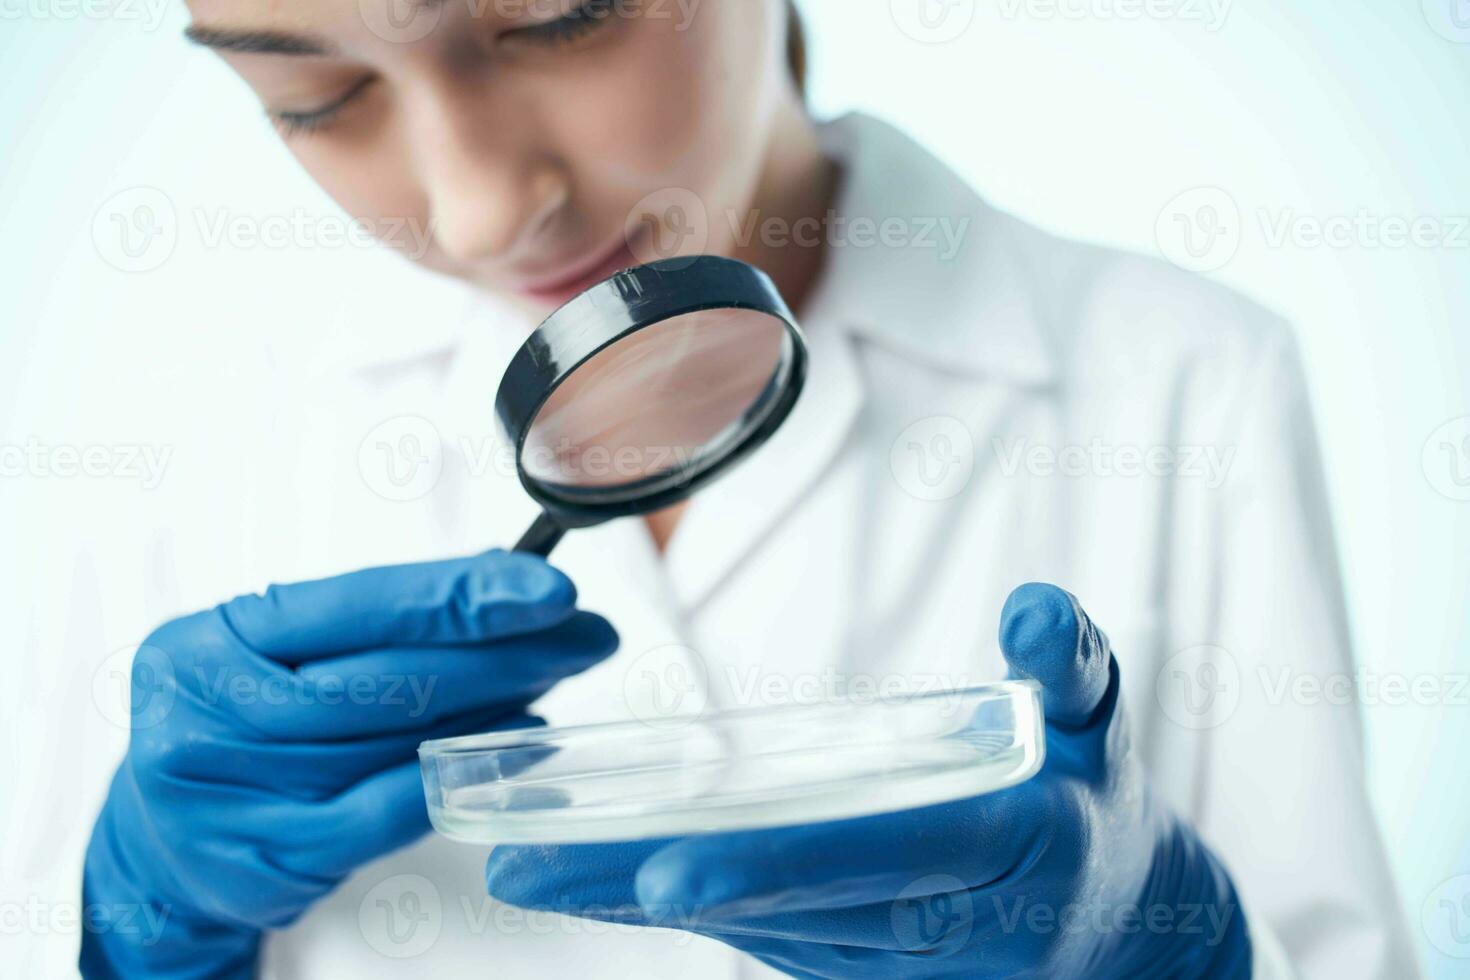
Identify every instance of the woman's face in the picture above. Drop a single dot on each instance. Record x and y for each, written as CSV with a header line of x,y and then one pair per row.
x,y
538,144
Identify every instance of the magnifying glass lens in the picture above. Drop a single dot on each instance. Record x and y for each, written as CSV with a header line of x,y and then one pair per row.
x,y
652,409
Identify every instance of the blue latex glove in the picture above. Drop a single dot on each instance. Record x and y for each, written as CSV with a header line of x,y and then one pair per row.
x,y
275,737
1075,873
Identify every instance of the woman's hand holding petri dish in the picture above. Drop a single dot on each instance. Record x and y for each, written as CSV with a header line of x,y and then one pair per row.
x,y
1068,874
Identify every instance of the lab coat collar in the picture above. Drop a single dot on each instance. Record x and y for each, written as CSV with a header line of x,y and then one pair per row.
x,y
951,288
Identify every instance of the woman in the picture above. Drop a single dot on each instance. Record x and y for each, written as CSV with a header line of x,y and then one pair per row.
x,y
987,406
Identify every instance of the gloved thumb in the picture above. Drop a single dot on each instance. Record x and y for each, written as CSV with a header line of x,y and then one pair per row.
x,y
1046,636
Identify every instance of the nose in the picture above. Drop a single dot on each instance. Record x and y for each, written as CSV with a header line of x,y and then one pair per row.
x,y
488,185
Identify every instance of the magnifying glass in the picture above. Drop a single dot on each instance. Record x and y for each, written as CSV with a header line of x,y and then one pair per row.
x,y
645,388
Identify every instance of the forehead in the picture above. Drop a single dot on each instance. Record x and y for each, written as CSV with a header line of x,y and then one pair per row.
x,y
282,14
308,13
373,29
368,28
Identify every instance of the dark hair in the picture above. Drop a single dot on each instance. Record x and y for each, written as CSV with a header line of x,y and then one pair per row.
x,y
796,46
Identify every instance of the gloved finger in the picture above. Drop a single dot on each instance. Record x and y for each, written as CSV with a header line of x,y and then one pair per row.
x,y
591,881
935,924
597,881
260,895
302,771
942,944
867,926
382,692
375,817
462,600
411,688
1045,635
969,843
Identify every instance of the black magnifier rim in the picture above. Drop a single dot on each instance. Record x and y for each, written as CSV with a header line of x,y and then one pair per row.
x,y
630,301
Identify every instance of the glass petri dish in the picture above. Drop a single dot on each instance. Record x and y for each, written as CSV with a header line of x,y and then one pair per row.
x,y
734,770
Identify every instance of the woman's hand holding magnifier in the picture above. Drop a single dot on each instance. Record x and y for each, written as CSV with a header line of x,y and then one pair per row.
x,y
263,767
274,744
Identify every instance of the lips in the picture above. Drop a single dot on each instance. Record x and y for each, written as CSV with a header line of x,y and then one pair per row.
x,y
577,276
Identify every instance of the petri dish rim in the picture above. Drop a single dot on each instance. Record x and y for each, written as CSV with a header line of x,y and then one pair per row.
x,y
521,737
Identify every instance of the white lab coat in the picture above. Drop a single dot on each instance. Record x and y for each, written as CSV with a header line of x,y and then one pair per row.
x,y
1025,409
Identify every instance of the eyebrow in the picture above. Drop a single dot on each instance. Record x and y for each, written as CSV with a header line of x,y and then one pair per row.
x,y
256,42
271,42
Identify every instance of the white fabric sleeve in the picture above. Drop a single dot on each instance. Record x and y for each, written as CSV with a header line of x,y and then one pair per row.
x,y
1280,790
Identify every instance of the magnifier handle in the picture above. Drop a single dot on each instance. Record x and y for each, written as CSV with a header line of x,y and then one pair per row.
x,y
541,537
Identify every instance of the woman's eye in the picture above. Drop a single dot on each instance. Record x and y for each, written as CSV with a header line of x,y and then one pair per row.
x,y
585,18
302,122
